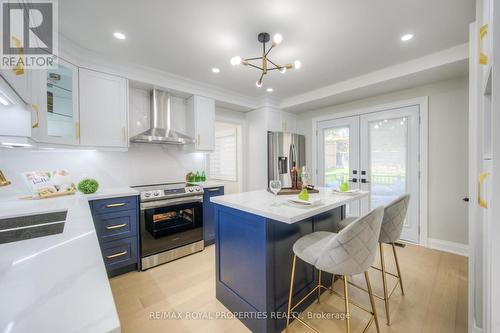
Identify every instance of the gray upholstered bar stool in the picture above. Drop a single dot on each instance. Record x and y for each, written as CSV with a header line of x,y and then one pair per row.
x,y
392,226
349,252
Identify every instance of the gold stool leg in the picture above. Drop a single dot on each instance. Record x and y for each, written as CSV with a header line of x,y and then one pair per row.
x,y
399,270
372,301
319,284
292,275
384,282
346,294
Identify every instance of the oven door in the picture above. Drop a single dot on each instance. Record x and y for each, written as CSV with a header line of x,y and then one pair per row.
x,y
168,224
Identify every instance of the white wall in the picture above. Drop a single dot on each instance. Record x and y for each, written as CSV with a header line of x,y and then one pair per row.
x,y
448,124
142,164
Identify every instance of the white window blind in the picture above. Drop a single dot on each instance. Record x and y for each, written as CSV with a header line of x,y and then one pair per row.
x,y
223,163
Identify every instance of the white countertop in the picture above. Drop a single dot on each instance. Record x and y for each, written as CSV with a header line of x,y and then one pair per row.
x,y
261,203
208,183
57,283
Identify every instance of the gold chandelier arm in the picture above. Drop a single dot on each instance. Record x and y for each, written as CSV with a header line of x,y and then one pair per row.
x,y
251,65
277,66
250,59
266,53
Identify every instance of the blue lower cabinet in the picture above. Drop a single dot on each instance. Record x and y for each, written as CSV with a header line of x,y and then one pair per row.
x,y
208,213
117,223
120,256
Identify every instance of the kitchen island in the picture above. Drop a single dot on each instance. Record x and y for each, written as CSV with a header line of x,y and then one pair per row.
x,y
254,240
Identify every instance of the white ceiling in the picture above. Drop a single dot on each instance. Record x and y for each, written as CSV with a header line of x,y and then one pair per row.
x,y
334,39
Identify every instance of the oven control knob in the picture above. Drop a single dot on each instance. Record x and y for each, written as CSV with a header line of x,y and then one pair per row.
x,y
156,193
197,189
147,194
190,189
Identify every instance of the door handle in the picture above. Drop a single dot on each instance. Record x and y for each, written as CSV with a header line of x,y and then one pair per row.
x,y
213,189
364,181
354,180
465,199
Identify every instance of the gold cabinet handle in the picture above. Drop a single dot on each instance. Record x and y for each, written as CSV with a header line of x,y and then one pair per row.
x,y
483,58
77,129
116,226
119,204
480,179
213,189
119,254
19,68
35,108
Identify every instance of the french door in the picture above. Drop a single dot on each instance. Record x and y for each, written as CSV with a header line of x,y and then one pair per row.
x,y
377,152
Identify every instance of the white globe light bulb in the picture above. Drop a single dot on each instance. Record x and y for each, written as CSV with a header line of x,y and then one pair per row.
x,y
277,38
236,60
297,64
258,83
283,70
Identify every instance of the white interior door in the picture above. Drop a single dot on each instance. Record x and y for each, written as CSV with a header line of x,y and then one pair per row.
x,y
389,162
377,152
338,152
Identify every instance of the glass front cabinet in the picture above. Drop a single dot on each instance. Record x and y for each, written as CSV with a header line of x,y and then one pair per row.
x,y
54,105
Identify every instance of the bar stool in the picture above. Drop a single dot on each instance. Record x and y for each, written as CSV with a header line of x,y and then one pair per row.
x,y
349,252
392,226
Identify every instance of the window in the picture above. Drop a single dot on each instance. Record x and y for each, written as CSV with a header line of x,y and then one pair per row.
x,y
223,160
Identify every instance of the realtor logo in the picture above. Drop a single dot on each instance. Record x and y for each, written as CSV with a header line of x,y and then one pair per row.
x,y
29,34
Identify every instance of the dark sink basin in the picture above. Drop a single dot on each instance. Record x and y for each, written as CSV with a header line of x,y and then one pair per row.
x,y
14,229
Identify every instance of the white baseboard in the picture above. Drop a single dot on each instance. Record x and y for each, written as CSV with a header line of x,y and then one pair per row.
x,y
447,246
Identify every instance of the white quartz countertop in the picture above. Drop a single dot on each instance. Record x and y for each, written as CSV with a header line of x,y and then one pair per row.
x,y
209,183
261,203
57,283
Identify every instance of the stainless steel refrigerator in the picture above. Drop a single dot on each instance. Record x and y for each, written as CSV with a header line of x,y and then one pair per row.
x,y
284,151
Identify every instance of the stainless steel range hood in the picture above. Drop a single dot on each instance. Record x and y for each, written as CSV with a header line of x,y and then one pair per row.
x,y
161,131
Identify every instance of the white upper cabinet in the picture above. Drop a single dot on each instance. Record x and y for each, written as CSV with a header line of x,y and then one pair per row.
x,y
103,109
200,122
54,104
279,121
20,80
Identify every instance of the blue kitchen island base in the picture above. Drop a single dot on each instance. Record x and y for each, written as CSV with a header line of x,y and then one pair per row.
x,y
253,264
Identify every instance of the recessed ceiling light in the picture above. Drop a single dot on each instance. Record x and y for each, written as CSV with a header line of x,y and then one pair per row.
x,y
406,37
215,70
269,89
119,35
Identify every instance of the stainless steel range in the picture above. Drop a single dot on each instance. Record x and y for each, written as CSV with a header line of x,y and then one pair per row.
x,y
171,222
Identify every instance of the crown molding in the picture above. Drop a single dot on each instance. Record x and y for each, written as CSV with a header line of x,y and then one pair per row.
x,y
432,61
83,57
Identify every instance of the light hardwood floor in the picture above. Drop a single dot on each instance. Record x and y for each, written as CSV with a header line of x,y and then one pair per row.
x,y
435,301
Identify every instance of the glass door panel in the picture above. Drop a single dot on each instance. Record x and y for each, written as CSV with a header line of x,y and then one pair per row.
x,y
336,158
388,159
338,155
389,162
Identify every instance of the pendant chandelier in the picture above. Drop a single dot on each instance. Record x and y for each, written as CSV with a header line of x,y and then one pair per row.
x,y
263,63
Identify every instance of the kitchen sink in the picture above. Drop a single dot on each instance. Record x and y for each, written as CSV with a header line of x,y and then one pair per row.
x,y
14,229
